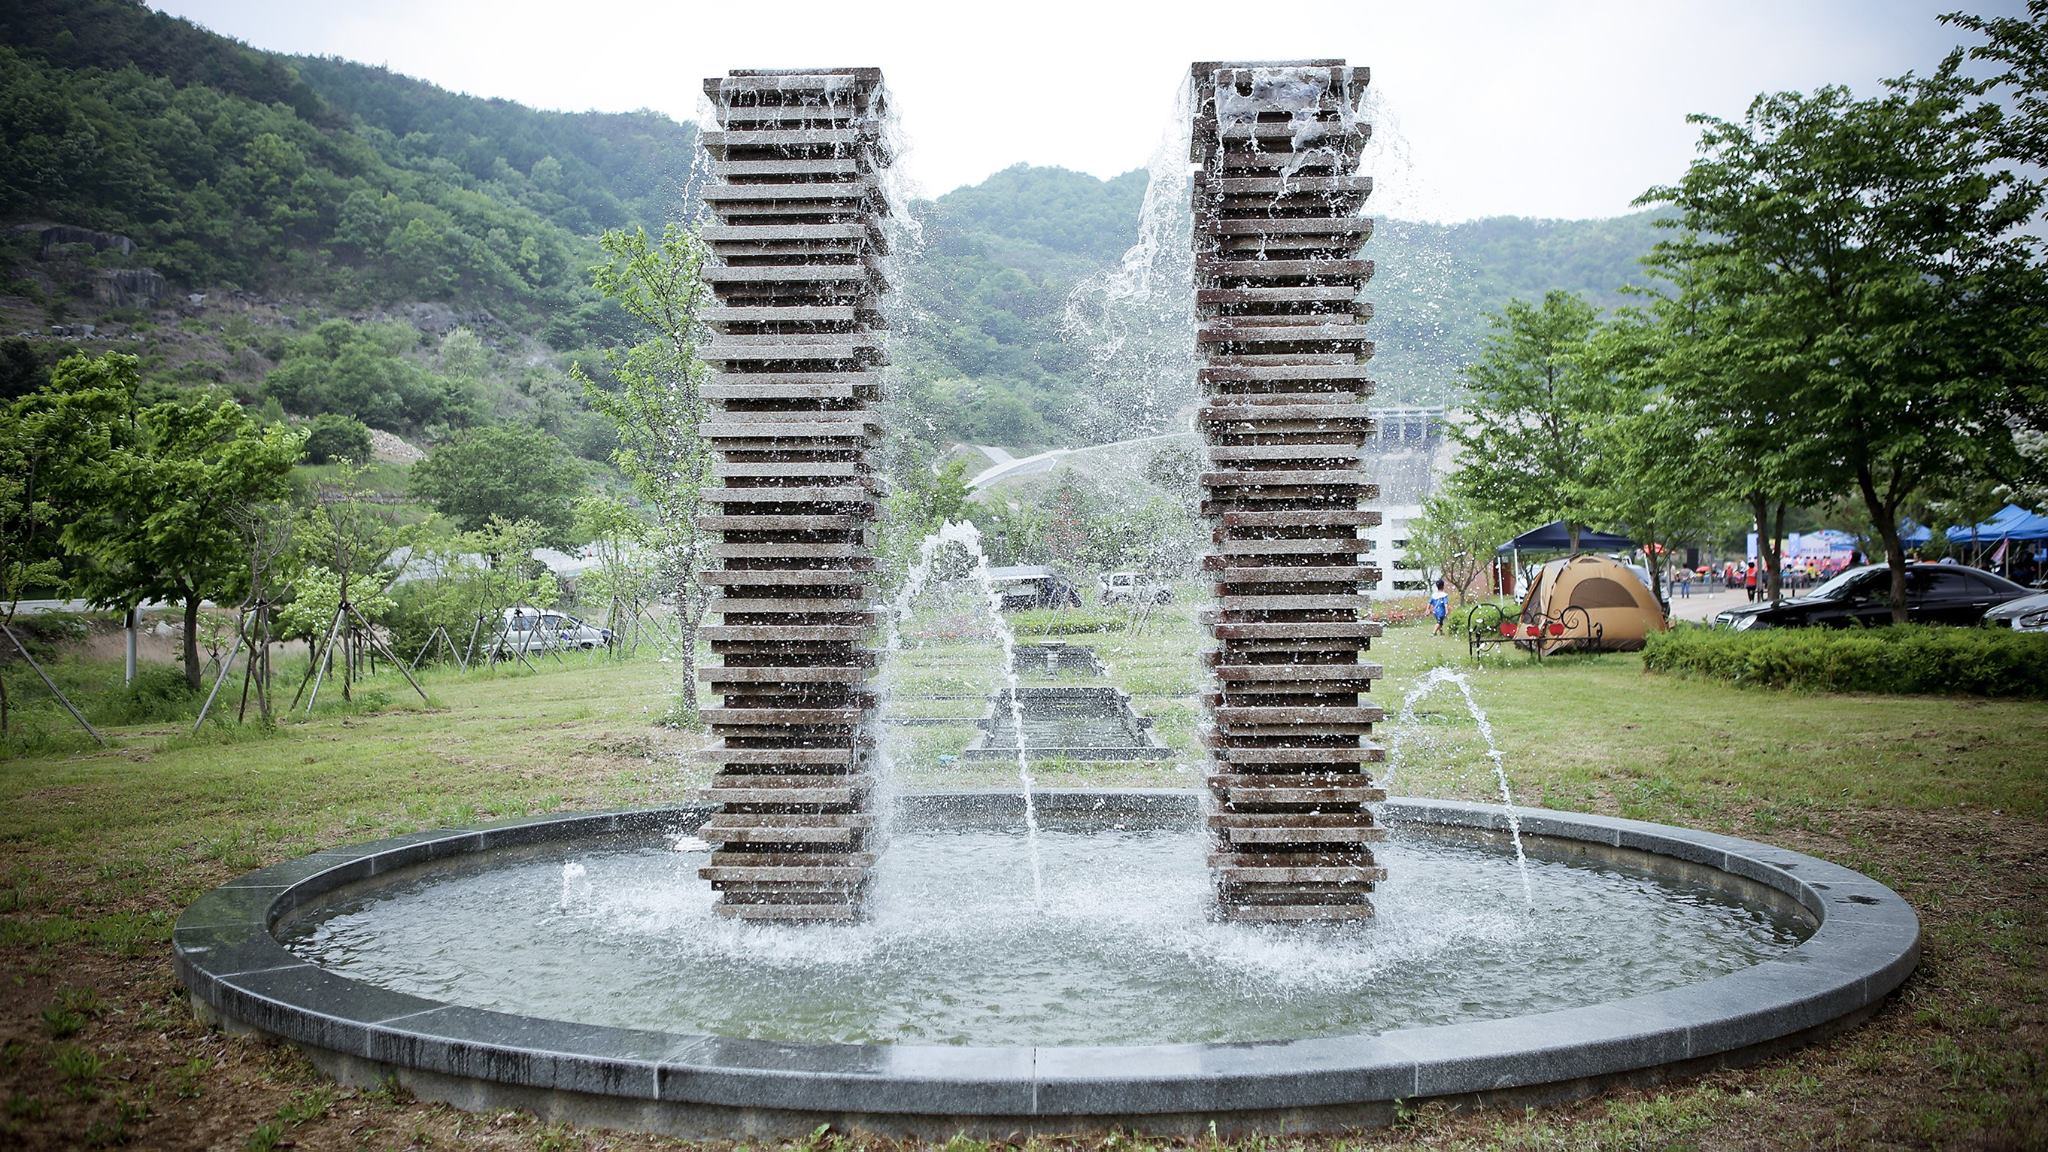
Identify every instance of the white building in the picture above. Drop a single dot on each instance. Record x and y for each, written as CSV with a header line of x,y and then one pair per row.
x,y
1408,454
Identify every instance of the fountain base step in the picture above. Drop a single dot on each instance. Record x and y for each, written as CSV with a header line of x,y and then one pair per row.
x,y
1296,913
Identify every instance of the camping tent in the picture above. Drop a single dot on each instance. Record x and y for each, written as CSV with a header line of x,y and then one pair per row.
x,y
1590,602
1556,537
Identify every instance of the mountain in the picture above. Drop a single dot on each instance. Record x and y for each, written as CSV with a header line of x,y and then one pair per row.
x,y
211,206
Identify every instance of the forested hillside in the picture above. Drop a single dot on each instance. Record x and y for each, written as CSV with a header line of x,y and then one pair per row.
x,y
218,205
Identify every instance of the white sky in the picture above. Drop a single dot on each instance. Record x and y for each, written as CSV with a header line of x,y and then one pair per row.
x,y
1562,108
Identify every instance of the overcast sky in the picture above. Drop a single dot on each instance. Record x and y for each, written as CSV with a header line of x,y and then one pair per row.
x,y
1566,108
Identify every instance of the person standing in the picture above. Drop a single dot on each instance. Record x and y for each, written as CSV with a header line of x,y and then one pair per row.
x,y
1440,607
1749,580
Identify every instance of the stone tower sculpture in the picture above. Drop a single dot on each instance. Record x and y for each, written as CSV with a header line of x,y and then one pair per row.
x,y
1279,293
797,335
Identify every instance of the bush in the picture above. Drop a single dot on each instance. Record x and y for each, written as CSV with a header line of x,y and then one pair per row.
x,y
1901,659
157,695
1455,623
1065,621
337,438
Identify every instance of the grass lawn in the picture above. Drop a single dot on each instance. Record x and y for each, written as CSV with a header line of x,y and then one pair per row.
x,y
1945,799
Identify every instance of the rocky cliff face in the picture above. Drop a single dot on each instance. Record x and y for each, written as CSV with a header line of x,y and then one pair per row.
x,y
127,287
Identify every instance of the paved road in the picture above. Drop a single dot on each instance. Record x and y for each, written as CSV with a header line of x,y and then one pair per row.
x,y
1045,461
40,607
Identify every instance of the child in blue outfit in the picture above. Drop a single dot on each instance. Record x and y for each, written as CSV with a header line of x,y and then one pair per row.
x,y
1439,607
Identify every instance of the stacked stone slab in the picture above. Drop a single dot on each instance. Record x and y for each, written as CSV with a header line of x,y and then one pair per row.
x,y
797,336
1278,290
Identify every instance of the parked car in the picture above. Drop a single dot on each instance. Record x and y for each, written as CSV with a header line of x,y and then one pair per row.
x,y
1935,594
532,630
1132,588
2026,614
1033,586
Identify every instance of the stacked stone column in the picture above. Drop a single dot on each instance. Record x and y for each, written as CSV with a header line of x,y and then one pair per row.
x,y
797,338
1279,292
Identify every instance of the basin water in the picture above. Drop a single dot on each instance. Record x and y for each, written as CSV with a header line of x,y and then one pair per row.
x,y
569,966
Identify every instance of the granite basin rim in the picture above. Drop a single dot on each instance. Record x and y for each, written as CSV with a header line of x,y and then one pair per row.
x,y
1865,945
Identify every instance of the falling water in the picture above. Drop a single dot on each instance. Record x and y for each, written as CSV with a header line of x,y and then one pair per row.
x,y
1430,681
1136,318
968,538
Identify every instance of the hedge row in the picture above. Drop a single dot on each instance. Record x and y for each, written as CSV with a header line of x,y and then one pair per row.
x,y
1908,658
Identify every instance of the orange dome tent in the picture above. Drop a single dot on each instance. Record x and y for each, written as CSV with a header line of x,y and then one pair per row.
x,y
1589,602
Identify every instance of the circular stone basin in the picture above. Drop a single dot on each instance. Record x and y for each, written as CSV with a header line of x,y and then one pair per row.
x,y
577,966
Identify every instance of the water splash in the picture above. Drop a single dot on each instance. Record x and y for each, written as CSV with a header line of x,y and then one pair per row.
x,y
965,536
575,884
1430,682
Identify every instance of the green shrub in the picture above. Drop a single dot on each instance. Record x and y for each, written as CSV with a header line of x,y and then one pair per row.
x,y
1900,659
334,437
1065,621
157,695
1455,624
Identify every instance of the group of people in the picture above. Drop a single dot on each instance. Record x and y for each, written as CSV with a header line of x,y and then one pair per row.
x,y
1798,574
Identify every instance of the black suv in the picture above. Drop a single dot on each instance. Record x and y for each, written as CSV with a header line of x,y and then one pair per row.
x,y
1935,594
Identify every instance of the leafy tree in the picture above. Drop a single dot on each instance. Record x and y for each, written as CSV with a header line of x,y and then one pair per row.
x,y
1177,470
501,470
920,501
625,574
28,552
333,437
658,410
147,493
1876,249
1454,538
1652,466
360,370
1534,406
2020,46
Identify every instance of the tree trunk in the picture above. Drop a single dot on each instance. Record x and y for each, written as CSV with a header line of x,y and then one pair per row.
x,y
1769,553
192,676
1655,566
1885,518
1571,531
1777,554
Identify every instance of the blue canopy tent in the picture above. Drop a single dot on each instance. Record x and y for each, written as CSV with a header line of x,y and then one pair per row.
x,y
1914,535
2011,522
1556,537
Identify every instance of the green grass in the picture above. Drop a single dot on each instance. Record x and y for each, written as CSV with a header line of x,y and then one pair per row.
x,y
1947,799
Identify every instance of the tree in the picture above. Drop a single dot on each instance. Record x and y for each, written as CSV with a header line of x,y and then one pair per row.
x,y
502,470
2021,46
1533,407
1653,465
28,545
1454,538
623,576
922,499
658,410
1872,251
332,437
148,493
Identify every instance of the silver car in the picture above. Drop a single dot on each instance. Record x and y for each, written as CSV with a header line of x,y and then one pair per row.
x,y
532,630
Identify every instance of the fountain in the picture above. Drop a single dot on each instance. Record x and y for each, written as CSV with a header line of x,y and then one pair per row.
x,y
1032,961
